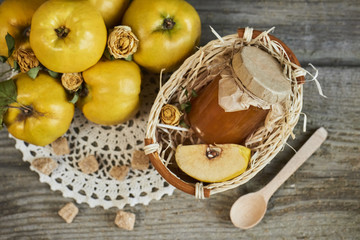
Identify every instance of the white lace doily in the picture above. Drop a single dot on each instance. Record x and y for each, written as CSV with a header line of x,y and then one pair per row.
x,y
112,146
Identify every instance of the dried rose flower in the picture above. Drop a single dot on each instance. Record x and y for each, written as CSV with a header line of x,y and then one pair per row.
x,y
170,115
122,42
26,59
72,81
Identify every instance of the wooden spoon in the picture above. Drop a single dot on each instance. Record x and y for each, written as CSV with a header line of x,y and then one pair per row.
x,y
249,209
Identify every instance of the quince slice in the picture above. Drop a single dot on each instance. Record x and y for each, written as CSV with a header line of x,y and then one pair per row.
x,y
213,163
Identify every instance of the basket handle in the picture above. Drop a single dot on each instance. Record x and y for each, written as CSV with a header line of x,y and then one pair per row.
x,y
164,172
290,53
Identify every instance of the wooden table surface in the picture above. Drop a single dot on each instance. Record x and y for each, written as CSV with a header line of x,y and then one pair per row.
x,y
320,201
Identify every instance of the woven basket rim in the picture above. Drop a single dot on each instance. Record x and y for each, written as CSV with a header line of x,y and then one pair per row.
x,y
152,146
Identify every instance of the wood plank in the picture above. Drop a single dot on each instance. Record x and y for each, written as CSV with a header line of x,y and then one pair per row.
x,y
320,32
321,201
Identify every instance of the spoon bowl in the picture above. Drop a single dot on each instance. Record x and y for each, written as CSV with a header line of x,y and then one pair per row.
x,y
252,207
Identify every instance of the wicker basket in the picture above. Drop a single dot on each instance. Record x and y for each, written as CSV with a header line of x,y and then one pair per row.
x,y
161,140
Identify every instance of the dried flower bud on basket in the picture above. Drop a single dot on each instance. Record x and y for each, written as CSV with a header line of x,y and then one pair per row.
x,y
170,115
197,72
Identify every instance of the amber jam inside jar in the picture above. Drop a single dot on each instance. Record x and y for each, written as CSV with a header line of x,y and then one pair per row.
x,y
212,124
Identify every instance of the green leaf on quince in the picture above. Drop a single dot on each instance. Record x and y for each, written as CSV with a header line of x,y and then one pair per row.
x,y
129,58
8,95
108,55
75,97
33,72
7,92
10,42
53,74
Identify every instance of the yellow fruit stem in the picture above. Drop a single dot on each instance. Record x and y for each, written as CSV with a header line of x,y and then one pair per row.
x,y
26,32
62,31
168,24
26,111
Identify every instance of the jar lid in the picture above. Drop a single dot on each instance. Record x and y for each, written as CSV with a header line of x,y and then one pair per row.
x,y
261,74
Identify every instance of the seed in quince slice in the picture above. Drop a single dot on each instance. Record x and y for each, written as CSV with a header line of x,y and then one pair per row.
x,y
213,163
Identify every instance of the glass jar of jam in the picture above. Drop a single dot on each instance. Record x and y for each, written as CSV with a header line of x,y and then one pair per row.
x,y
212,124
261,75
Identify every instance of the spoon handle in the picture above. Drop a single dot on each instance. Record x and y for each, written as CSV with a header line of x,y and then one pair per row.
x,y
310,146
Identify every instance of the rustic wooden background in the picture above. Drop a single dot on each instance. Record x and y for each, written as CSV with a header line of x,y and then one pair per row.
x,y
320,201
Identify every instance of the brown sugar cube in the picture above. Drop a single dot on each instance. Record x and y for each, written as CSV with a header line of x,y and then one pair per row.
x,y
125,220
119,172
89,164
44,165
139,161
68,212
60,146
